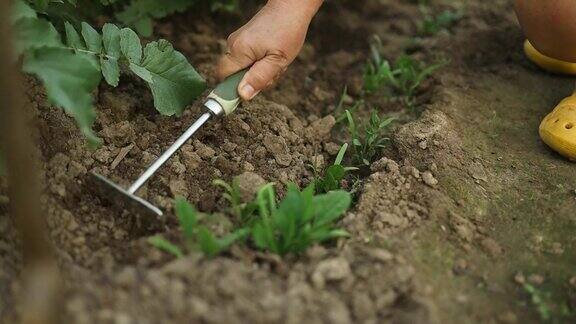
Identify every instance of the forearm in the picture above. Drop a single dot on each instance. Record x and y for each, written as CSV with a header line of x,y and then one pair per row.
x,y
307,8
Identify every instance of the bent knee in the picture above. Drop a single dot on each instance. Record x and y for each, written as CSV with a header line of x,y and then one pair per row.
x,y
550,26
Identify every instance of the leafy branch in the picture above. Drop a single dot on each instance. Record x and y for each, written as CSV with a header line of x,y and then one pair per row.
x,y
71,71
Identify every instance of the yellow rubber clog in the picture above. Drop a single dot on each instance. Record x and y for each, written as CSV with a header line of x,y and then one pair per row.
x,y
558,129
547,63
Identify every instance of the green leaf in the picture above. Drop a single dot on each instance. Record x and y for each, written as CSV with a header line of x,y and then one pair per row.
x,y
69,80
109,63
130,45
72,37
260,236
144,26
161,243
341,154
92,38
208,243
187,216
173,81
211,246
138,13
324,235
21,9
331,206
33,33
332,177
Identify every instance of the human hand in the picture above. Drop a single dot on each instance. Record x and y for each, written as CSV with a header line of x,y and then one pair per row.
x,y
267,44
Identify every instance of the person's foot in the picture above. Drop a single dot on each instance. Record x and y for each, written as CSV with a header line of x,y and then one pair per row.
x,y
548,63
558,129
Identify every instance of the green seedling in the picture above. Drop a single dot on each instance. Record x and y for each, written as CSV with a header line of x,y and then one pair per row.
x,y
244,212
547,309
195,236
300,220
334,174
369,138
537,299
431,24
401,80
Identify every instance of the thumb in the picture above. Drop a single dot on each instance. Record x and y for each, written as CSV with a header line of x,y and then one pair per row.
x,y
262,74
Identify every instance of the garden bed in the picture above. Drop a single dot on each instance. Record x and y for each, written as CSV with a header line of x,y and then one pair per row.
x,y
460,214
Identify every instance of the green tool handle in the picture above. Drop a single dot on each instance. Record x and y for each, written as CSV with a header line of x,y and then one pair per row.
x,y
228,89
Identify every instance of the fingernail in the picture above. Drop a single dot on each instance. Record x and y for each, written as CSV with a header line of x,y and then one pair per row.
x,y
248,91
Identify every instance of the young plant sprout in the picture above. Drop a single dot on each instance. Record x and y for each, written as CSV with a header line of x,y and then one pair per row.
x,y
244,212
299,220
401,80
368,138
195,235
334,174
432,24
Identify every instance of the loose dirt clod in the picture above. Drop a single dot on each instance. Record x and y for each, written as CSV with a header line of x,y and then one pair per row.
x,y
248,183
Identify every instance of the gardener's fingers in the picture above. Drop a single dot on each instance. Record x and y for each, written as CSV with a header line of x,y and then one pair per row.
x,y
262,74
230,64
239,55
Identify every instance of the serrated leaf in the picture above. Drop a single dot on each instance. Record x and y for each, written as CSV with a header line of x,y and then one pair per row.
x,y
69,80
109,62
33,33
173,81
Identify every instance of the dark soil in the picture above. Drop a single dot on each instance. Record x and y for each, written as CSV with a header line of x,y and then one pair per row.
x,y
464,209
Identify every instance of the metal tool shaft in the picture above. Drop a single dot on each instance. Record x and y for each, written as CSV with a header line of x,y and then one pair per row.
x,y
169,152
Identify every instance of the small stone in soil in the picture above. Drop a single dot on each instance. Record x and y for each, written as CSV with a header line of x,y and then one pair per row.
x,y
460,267
536,279
321,127
423,144
429,179
204,151
178,188
519,278
248,184
381,255
491,246
334,269
331,148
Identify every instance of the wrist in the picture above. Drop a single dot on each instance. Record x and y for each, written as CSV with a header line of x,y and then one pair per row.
x,y
305,8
